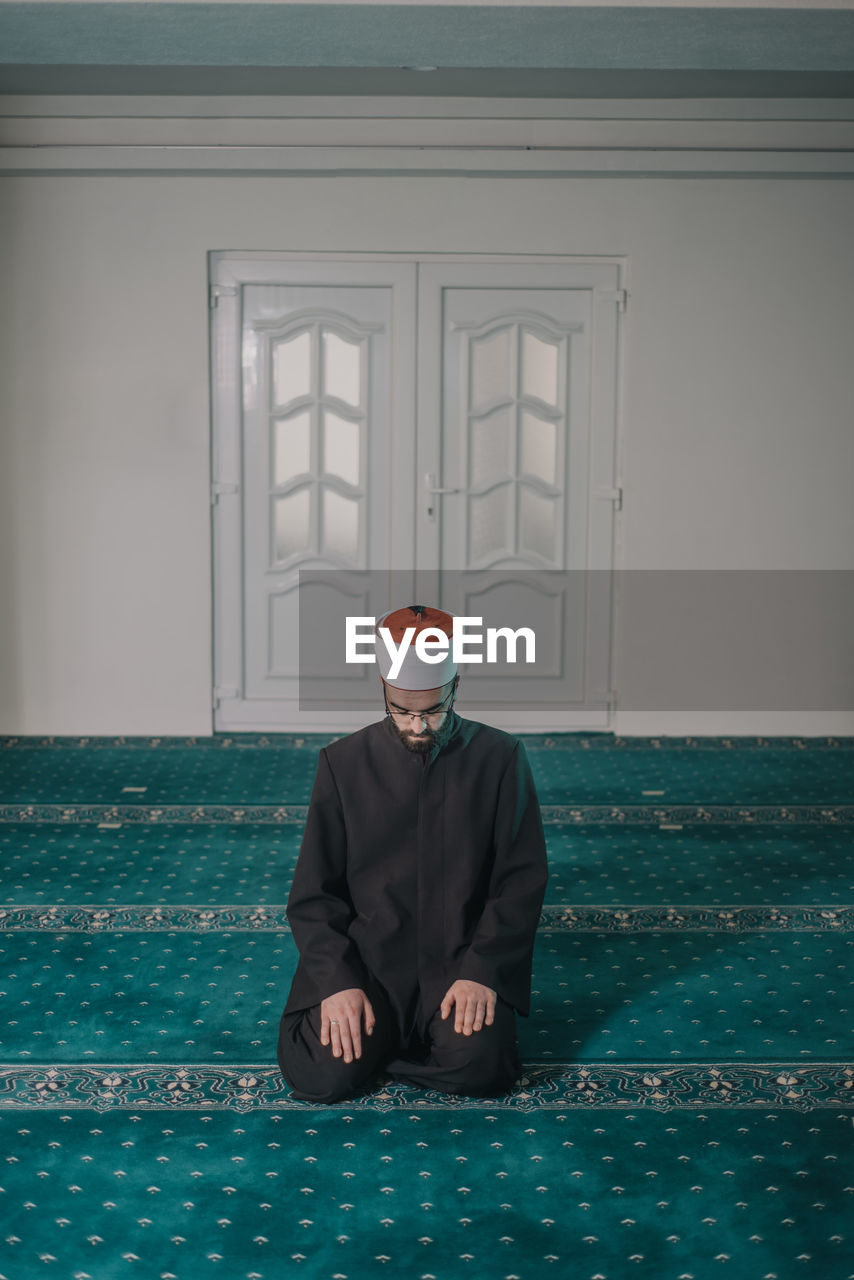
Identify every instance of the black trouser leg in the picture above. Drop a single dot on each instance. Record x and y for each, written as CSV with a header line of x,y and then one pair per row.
x,y
483,1064
310,1068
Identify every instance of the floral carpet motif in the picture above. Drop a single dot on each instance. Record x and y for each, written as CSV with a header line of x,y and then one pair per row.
x,y
687,1103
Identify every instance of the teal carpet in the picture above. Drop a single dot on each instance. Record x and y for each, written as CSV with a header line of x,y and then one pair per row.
x,y
687,1108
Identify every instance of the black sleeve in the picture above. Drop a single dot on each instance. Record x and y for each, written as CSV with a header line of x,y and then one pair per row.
x,y
500,954
319,908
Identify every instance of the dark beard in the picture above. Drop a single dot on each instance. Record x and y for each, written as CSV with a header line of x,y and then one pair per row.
x,y
426,740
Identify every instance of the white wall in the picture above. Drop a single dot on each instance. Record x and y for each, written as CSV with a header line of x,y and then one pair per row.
x,y
737,448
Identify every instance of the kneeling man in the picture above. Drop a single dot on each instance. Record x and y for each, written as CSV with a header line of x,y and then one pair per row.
x,y
416,896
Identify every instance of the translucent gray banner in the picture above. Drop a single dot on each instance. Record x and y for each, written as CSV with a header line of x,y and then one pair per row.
x,y
664,640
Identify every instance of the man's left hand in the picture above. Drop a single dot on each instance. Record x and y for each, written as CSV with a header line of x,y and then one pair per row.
x,y
475,1004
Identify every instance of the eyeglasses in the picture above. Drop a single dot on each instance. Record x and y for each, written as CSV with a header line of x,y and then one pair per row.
x,y
398,713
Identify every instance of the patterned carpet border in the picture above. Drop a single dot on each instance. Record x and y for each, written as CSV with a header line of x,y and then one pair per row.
x,y
117,814
553,919
697,1086
582,740
606,815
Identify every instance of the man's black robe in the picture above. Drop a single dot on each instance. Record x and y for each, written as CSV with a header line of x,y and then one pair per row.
x,y
419,868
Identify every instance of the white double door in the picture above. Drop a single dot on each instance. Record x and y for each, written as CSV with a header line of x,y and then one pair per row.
x,y
389,431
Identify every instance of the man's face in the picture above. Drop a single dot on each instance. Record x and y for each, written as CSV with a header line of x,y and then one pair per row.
x,y
412,733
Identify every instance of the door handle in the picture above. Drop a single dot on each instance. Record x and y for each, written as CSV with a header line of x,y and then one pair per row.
x,y
430,488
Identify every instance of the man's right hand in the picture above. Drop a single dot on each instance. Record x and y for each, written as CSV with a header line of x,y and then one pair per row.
x,y
340,1022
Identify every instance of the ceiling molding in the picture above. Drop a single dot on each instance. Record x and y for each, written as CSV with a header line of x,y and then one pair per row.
x,y
498,134
320,107
518,50
812,6
459,82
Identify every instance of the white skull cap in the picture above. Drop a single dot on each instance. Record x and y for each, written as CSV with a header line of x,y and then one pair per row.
x,y
415,675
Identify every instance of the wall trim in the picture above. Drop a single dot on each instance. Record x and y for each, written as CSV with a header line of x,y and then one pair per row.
x,y
786,138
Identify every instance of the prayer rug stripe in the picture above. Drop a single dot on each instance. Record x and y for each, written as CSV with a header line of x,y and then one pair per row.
x,y
654,816
582,740
166,1086
144,918
429,1193
154,996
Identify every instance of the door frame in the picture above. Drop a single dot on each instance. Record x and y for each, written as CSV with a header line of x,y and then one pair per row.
x,y
227,271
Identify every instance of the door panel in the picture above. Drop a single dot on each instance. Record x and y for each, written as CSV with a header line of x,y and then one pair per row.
x,y
316,452
321,524
508,516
